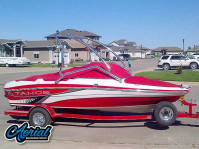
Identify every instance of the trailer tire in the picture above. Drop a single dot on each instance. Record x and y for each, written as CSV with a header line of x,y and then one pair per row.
x,y
7,65
39,117
165,113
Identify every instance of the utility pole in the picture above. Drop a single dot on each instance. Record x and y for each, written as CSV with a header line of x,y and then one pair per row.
x,y
183,45
194,49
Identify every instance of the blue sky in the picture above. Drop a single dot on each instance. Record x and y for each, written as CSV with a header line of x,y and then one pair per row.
x,y
152,23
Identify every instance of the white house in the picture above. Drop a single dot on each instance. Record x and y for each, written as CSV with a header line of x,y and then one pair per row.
x,y
125,47
194,50
122,43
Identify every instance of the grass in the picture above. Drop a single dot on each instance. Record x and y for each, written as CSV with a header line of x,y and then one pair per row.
x,y
137,58
73,65
187,76
38,65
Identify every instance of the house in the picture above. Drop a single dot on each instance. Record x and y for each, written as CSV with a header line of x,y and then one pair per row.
x,y
133,51
125,47
122,43
78,51
142,52
39,51
45,51
194,50
11,48
168,50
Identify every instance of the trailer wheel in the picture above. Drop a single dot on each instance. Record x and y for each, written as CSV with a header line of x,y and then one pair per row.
x,y
165,113
7,65
39,117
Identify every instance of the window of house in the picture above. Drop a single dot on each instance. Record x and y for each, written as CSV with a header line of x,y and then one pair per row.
x,y
76,54
36,55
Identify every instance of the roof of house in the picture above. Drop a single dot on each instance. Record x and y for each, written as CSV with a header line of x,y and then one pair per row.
x,y
121,41
41,43
4,41
74,32
171,49
124,42
126,48
143,48
51,43
193,49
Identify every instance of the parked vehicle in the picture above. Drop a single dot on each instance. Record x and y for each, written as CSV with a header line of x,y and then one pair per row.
x,y
172,61
196,56
124,57
150,56
81,91
13,61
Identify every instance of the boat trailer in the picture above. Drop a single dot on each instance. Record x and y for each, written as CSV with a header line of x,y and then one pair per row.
x,y
100,116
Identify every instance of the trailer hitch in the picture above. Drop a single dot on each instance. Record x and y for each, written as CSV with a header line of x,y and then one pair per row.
x,y
190,113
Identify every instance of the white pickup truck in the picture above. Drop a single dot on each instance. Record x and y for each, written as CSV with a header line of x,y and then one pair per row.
x,y
169,61
13,61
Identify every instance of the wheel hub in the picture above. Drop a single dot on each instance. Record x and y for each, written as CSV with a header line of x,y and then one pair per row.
x,y
193,66
38,119
166,113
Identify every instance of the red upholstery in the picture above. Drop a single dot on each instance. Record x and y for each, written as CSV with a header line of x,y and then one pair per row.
x,y
89,73
146,81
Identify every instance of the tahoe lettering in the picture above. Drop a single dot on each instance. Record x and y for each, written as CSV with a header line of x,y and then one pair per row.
x,y
30,93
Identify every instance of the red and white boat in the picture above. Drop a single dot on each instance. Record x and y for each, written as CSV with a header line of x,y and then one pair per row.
x,y
95,86
94,89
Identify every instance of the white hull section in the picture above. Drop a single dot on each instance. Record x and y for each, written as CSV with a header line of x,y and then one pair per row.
x,y
99,82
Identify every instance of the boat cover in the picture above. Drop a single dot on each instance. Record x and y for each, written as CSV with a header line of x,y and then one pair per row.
x,y
96,73
146,81
88,73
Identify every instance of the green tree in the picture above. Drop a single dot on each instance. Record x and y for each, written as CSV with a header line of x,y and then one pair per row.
x,y
189,48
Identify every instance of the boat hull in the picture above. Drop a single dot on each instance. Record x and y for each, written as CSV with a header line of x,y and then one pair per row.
x,y
91,94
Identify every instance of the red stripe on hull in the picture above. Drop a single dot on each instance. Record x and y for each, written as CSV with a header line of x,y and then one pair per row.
x,y
112,101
